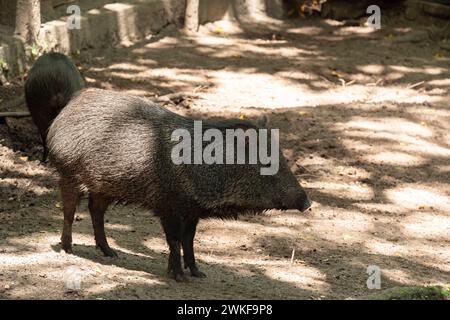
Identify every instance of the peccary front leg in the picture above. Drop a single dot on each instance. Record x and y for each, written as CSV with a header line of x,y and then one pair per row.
x,y
173,229
97,208
189,228
70,195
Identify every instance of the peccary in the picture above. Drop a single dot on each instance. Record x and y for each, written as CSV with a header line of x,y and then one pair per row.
x,y
51,82
118,147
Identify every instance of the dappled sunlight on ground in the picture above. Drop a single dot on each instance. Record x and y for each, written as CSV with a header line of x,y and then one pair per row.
x,y
364,124
419,198
356,192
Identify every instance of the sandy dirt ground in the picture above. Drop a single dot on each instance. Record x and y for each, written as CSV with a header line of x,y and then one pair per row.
x,y
364,121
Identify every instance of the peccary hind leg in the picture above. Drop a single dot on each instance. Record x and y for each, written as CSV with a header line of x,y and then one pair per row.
x,y
97,208
173,229
70,195
189,228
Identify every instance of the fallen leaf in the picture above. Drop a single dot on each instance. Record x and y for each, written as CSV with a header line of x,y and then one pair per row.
x,y
58,205
218,30
337,74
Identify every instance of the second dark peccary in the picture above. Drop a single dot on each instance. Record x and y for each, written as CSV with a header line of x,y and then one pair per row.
x,y
51,82
118,147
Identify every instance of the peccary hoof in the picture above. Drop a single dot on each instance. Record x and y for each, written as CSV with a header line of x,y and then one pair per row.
x,y
197,273
178,276
107,251
66,244
67,249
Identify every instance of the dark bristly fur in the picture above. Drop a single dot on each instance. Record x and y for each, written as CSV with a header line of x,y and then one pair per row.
x,y
51,82
118,148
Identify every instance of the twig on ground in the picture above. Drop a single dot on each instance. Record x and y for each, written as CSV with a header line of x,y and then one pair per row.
x,y
374,84
14,114
416,85
350,82
327,80
196,89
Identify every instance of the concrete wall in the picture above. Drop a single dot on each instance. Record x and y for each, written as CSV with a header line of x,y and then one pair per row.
x,y
212,10
12,57
112,23
103,24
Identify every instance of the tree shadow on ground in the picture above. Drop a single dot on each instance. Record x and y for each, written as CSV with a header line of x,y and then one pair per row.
x,y
223,282
331,142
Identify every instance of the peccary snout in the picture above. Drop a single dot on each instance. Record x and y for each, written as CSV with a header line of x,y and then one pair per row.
x,y
305,205
296,198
